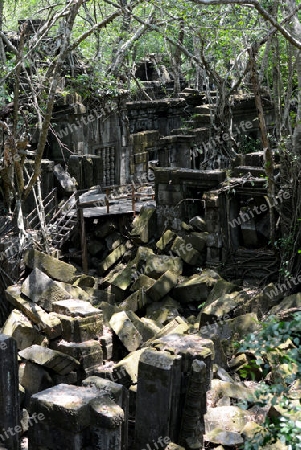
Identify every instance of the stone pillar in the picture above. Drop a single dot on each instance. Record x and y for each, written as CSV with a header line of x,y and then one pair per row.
x,y
158,393
9,394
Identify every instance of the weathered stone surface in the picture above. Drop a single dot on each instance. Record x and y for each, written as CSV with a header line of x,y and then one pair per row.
x,y
228,438
166,239
111,259
33,378
196,288
128,368
162,286
113,241
144,226
42,290
185,251
51,359
172,446
220,288
157,265
9,393
163,312
292,301
146,331
159,386
21,329
75,307
88,353
108,311
65,406
232,390
49,323
197,240
142,282
234,419
135,301
54,268
198,223
81,329
126,331
223,307
176,326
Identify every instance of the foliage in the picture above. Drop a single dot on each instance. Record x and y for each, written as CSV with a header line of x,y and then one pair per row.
x,y
276,350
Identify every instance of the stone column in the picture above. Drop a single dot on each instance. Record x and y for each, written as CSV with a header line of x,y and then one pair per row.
x,y
158,393
9,394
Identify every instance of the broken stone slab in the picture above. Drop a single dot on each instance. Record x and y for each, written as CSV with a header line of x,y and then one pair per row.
x,y
111,259
172,446
41,289
135,301
232,390
50,324
157,265
51,359
75,291
21,329
74,308
185,251
81,329
198,223
34,378
126,370
54,268
145,225
220,288
108,311
166,240
234,419
113,241
142,282
163,312
197,240
176,326
162,286
146,331
196,288
223,308
126,331
88,353
142,254
227,438
121,283
292,301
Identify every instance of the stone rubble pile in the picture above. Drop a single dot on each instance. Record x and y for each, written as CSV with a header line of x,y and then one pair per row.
x,y
117,362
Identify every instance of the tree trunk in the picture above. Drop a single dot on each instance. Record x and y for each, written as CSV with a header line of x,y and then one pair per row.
x,y
268,155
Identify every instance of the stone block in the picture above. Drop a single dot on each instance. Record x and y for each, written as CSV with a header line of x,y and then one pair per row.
x,y
198,223
21,329
126,331
144,226
54,268
41,289
74,308
88,353
81,329
33,378
196,288
185,251
165,240
162,286
157,265
111,259
50,324
51,359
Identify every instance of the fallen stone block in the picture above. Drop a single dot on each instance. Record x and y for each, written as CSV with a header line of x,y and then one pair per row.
x,y
135,301
75,307
162,286
166,240
51,359
163,312
196,288
223,308
54,268
41,289
234,419
126,370
142,282
34,378
227,438
198,223
126,331
111,259
21,329
50,324
145,225
185,251
89,354
197,240
157,265
81,329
